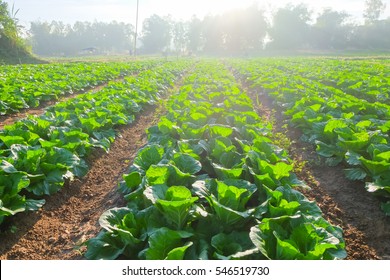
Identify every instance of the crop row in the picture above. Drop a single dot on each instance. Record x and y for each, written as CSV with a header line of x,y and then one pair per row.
x,y
26,86
210,184
343,128
368,80
39,153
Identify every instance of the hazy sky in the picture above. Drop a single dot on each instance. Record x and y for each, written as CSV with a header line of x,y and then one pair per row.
x,y
70,11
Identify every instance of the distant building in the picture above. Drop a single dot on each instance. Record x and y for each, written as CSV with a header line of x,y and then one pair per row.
x,y
90,50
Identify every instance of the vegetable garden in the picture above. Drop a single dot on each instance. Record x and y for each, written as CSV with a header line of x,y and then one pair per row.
x,y
210,181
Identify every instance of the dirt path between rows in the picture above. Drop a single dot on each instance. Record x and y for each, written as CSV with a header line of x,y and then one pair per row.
x,y
11,118
343,202
71,216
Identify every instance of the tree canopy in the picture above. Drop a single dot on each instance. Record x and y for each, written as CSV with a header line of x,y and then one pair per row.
x,y
12,47
236,32
57,38
373,9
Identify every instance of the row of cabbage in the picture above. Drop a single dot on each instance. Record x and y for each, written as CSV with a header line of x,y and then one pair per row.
x,y
210,184
26,86
39,153
367,79
344,128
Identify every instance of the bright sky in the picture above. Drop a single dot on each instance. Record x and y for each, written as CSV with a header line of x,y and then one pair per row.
x,y
70,11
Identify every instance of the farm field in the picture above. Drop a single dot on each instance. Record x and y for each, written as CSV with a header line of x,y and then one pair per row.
x,y
191,143
27,86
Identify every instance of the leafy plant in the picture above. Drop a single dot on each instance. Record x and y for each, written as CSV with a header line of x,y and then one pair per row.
x,y
51,148
174,203
211,178
297,237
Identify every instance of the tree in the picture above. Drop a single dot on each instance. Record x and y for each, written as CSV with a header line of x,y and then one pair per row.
x,y
9,26
56,38
194,35
373,36
12,47
254,29
243,30
41,38
290,29
232,25
373,10
330,30
179,34
212,34
156,35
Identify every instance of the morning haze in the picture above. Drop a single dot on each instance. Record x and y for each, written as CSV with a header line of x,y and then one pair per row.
x,y
66,27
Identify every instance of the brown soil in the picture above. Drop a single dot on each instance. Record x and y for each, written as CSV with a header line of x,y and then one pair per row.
x,y
71,216
343,202
11,118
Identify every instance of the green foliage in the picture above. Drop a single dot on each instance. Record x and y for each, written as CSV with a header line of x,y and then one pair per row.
x,y
56,38
290,27
12,183
210,178
40,153
236,245
12,48
342,107
166,244
27,86
297,237
174,203
373,9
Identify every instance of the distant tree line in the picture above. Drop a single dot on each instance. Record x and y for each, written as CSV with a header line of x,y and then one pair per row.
x,y
239,32
57,38
293,28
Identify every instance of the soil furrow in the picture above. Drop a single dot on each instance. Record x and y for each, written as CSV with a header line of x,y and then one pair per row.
x,y
343,202
71,216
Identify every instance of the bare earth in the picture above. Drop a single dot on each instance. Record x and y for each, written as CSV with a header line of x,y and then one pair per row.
x,y
344,203
71,216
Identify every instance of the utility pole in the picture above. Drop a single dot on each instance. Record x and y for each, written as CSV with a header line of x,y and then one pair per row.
x,y
136,31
